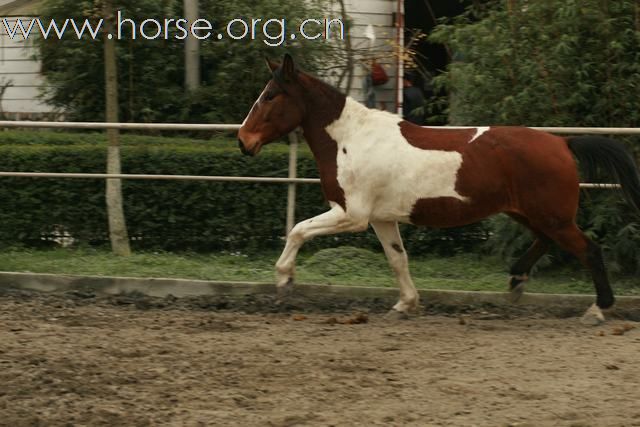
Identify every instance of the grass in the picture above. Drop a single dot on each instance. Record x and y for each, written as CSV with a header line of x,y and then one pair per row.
x,y
338,266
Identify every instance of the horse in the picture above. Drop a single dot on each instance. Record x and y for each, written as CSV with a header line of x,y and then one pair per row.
x,y
378,169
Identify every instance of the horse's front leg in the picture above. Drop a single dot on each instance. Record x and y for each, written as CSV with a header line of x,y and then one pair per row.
x,y
332,222
389,236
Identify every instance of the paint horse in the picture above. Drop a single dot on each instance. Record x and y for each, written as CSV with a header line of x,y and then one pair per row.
x,y
378,169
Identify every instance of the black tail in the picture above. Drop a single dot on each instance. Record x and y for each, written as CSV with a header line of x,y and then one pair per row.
x,y
596,153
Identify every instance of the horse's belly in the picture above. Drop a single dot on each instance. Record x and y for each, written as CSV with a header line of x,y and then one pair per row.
x,y
433,212
445,212
390,212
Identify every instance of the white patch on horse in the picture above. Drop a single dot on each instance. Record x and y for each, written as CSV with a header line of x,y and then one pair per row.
x,y
381,173
479,132
253,107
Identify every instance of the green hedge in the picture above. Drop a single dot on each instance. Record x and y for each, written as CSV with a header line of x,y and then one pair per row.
x,y
170,215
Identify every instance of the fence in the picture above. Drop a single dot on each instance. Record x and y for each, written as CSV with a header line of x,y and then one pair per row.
x,y
292,180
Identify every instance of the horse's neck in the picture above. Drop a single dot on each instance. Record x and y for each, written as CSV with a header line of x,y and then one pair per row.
x,y
337,126
355,120
324,106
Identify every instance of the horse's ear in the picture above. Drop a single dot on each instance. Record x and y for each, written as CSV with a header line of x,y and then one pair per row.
x,y
288,67
273,66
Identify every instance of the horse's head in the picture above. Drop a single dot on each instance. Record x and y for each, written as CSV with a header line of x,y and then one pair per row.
x,y
278,111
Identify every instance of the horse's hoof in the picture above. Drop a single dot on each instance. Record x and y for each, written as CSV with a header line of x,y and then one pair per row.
x,y
285,290
516,293
593,317
396,315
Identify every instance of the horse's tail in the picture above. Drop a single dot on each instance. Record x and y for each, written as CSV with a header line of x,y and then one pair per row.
x,y
612,157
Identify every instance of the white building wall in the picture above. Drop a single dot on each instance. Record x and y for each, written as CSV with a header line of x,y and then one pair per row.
x,y
378,13
18,66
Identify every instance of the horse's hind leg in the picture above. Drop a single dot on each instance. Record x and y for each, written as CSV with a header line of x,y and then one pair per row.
x,y
389,236
571,239
521,269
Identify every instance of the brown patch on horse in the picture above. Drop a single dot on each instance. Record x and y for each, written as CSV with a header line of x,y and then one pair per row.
x,y
445,212
474,180
504,184
436,139
397,248
325,151
327,104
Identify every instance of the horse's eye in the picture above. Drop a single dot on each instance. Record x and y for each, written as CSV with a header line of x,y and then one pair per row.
x,y
269,96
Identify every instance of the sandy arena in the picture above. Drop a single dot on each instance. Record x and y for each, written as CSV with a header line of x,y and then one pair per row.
x,y
77,359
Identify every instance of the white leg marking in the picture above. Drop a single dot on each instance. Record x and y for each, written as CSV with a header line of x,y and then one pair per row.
x,y
389,236
479,132
332,222
593,316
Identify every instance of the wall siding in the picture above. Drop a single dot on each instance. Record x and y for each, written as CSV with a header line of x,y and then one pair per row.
x,y
378,13
18,66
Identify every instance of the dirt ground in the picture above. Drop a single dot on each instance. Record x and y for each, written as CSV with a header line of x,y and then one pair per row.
x,y
78,359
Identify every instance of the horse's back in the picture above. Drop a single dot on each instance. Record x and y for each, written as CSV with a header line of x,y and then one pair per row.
x,y
534,171
506,169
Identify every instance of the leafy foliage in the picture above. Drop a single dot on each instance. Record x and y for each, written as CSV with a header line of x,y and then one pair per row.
x,y
151,72
551,63
170,215
333,262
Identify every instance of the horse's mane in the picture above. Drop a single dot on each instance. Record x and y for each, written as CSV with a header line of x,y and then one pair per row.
x,y
319,85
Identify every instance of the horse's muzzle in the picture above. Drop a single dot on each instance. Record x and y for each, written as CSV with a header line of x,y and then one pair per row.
x,y
244,150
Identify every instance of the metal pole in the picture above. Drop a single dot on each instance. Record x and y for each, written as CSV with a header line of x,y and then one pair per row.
x,y
121,126
231,127
293,173
191,49
400,64
245,179
118,234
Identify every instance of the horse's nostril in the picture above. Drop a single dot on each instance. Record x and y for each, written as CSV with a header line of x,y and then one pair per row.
x,y
241,146
243,149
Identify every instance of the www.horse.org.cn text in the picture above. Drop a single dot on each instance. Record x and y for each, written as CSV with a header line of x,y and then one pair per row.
x,y
271,31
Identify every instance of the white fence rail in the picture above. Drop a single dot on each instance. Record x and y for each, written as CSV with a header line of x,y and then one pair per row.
x,y
292,179
247,179
121,126
228,127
